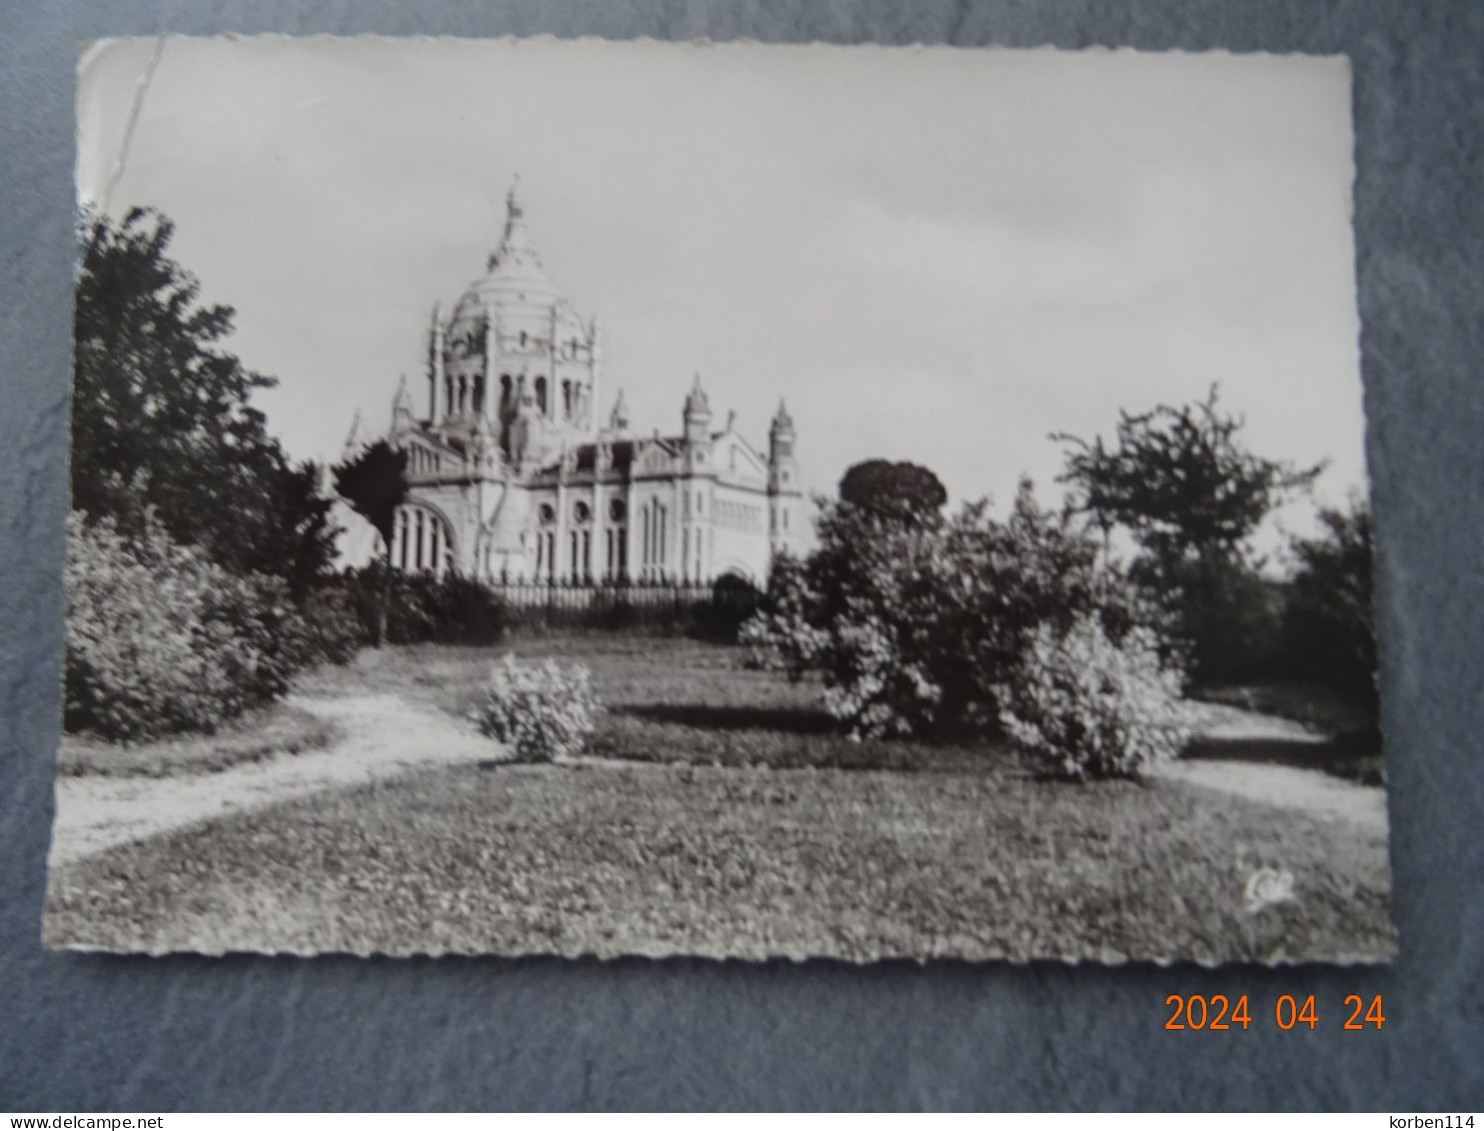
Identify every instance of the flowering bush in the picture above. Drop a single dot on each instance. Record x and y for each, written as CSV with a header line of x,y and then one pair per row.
x,y
861,611
160,639
779,636
541,713
327,629
1087,707
916,627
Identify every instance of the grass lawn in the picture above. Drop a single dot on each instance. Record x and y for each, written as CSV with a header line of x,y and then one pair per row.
x,y
721,818
256,736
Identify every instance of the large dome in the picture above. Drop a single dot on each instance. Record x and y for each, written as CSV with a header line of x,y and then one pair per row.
x,y
516,287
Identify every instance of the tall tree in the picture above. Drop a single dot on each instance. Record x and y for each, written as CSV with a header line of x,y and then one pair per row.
x,y
1329,618
374,482
901,490
299,545
1179,480
162,417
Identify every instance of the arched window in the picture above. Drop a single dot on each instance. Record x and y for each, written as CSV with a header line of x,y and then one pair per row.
x,y
582,514
566,400
616,544
421,540
478,394
541,395
506,389
463,394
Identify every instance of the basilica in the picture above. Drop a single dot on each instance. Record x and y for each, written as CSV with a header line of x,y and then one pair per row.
x,y
515,476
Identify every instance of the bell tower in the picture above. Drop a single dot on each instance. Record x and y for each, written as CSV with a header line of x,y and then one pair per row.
x,y
785,499
697,415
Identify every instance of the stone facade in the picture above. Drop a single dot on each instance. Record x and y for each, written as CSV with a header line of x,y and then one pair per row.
x,y
513,477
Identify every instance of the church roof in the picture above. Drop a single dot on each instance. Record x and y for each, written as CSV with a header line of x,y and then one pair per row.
x,y
624,451
434,439
623,455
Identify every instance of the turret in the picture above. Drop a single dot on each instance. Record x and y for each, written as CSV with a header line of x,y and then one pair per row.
x,y
618,419
352,438
595,370
697,415
402,417
435,362
525,432
781,438
484,447
786,515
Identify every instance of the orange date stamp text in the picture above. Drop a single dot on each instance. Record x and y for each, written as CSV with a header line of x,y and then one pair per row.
x,y
1287,1012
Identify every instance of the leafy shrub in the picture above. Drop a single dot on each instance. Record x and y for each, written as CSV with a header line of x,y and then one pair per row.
x,y
1086,707
1328,622
1227,617
327,629
542,712
917,627
850,612
160,639
422,608
458,609
733,601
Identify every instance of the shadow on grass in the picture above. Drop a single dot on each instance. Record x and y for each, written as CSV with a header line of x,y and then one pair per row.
x,y
1353,755
774,736
787,720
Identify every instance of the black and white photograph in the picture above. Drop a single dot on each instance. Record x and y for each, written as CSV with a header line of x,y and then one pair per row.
x,y
586,498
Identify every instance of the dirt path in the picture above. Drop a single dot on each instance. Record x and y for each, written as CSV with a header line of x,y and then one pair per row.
x,y
1309,791
382,736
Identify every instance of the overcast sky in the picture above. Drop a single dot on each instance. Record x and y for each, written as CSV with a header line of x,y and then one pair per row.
x,y
939,254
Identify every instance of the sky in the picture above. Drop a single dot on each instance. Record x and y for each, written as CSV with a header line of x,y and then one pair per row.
x,y
941,255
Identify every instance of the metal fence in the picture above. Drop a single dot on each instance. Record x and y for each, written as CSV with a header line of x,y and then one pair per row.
x,y
718,606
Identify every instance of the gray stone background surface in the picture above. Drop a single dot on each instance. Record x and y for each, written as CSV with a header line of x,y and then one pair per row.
x,y
80,1032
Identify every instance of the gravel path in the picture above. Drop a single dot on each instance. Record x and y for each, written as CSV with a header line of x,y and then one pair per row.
x,y
1308,791
383,736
